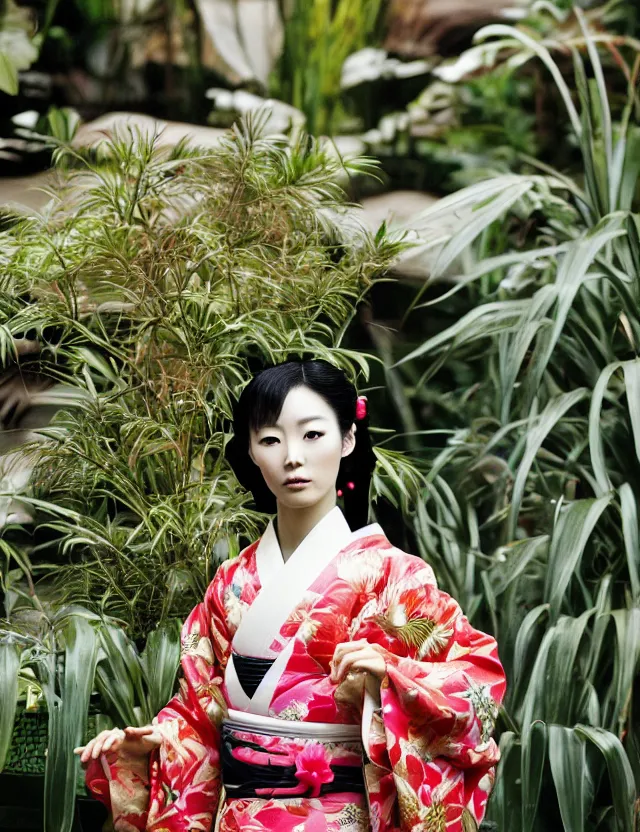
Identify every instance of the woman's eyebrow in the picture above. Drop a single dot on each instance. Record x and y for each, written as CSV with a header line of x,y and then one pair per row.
x,y
311,419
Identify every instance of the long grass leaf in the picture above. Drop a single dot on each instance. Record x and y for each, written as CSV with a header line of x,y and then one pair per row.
x,y
596,444
536,435
629,512
621,779
10,661
67,723
534,755
574,789
573,529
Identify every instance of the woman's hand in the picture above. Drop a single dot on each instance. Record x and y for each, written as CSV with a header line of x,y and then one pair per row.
x,y
131,742
358,657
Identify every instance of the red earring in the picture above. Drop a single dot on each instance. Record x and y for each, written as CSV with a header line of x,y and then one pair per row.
x,y
339,492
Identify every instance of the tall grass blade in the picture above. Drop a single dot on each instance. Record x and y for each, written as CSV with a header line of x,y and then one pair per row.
x,y
67,723
574,789
620,774
629,512
538,432
534,755
10,661
573,529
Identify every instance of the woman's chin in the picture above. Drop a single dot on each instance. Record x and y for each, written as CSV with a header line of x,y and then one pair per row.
x,y
304,498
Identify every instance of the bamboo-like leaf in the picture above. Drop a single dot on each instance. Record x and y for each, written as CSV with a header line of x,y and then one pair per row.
x,y
574,789
573,529
596,445
119,677
525,637
500,30
502,809
518,556
483,215
540,429
67,723
481,322
620,774
10,661
534,755
627,663
565,639
571,275
632,382
629,512
160,661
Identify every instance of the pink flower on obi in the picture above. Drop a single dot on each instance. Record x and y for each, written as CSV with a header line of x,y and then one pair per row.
x,y
312,767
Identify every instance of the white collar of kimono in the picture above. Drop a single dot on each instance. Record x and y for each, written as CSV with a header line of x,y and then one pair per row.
x,y
283,583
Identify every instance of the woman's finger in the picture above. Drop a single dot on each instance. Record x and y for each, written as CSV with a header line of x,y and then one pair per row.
x,y
345,648
113,742
102,739
135,731
347,661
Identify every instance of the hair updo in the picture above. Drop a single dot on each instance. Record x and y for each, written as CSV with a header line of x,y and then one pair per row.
x,y
260,404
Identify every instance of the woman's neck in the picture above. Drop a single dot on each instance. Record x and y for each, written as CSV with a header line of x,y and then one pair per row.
x,y
294,524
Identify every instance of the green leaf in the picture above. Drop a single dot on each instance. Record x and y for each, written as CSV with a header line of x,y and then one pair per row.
x,y
481,322
514,561
631,371
10,662
160,661
8,75
627,662
620,774
534,755
540,428
574,789
67,722
569,280
629,512
572,531
596,445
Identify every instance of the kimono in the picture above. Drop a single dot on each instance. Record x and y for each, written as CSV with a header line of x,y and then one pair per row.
x,y
413,752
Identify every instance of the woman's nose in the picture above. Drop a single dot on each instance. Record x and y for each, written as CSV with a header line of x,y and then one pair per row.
x,y
294,456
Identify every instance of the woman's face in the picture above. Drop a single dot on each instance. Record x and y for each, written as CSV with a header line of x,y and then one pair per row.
x,y
300,455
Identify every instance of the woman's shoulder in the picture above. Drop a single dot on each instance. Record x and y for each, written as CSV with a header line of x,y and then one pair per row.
x,y
393,562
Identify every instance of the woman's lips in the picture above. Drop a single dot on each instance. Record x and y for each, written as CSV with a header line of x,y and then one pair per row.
x,y
297,483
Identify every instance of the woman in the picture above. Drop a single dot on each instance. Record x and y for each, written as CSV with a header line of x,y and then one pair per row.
x,y
327,683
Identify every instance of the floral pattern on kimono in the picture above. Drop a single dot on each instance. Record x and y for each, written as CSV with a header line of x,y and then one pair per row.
x,y
430,758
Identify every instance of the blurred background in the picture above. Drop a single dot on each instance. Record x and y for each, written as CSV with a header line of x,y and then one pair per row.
x,y
442,197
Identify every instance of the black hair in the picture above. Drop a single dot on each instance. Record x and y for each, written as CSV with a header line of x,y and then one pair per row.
x,y
260,404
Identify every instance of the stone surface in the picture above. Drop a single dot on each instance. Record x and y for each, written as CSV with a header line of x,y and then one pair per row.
x,y
169,132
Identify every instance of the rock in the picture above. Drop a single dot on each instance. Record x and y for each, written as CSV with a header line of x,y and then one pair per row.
x,y
396,208
169,132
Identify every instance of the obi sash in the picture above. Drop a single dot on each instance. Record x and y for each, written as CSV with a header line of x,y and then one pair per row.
x,y
268,758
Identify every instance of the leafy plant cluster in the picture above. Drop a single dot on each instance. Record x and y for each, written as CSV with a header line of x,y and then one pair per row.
x,y
530,516
142,300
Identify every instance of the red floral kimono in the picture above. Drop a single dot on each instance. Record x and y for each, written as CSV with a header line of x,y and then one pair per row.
x,y
423,735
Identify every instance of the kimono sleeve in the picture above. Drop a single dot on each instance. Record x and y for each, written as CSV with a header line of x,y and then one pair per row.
x,y
430,737
177,789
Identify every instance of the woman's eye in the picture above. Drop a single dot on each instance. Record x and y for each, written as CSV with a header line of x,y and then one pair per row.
x,y
268,440
313,434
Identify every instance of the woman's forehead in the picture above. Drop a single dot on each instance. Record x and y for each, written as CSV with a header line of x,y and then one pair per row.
x,y
302,405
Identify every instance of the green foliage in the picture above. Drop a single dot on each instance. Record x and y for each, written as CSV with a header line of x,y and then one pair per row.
x,y
154,283
318,38
530,515
66,653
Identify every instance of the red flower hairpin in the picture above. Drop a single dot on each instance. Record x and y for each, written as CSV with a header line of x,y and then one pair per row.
x,y
361,408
